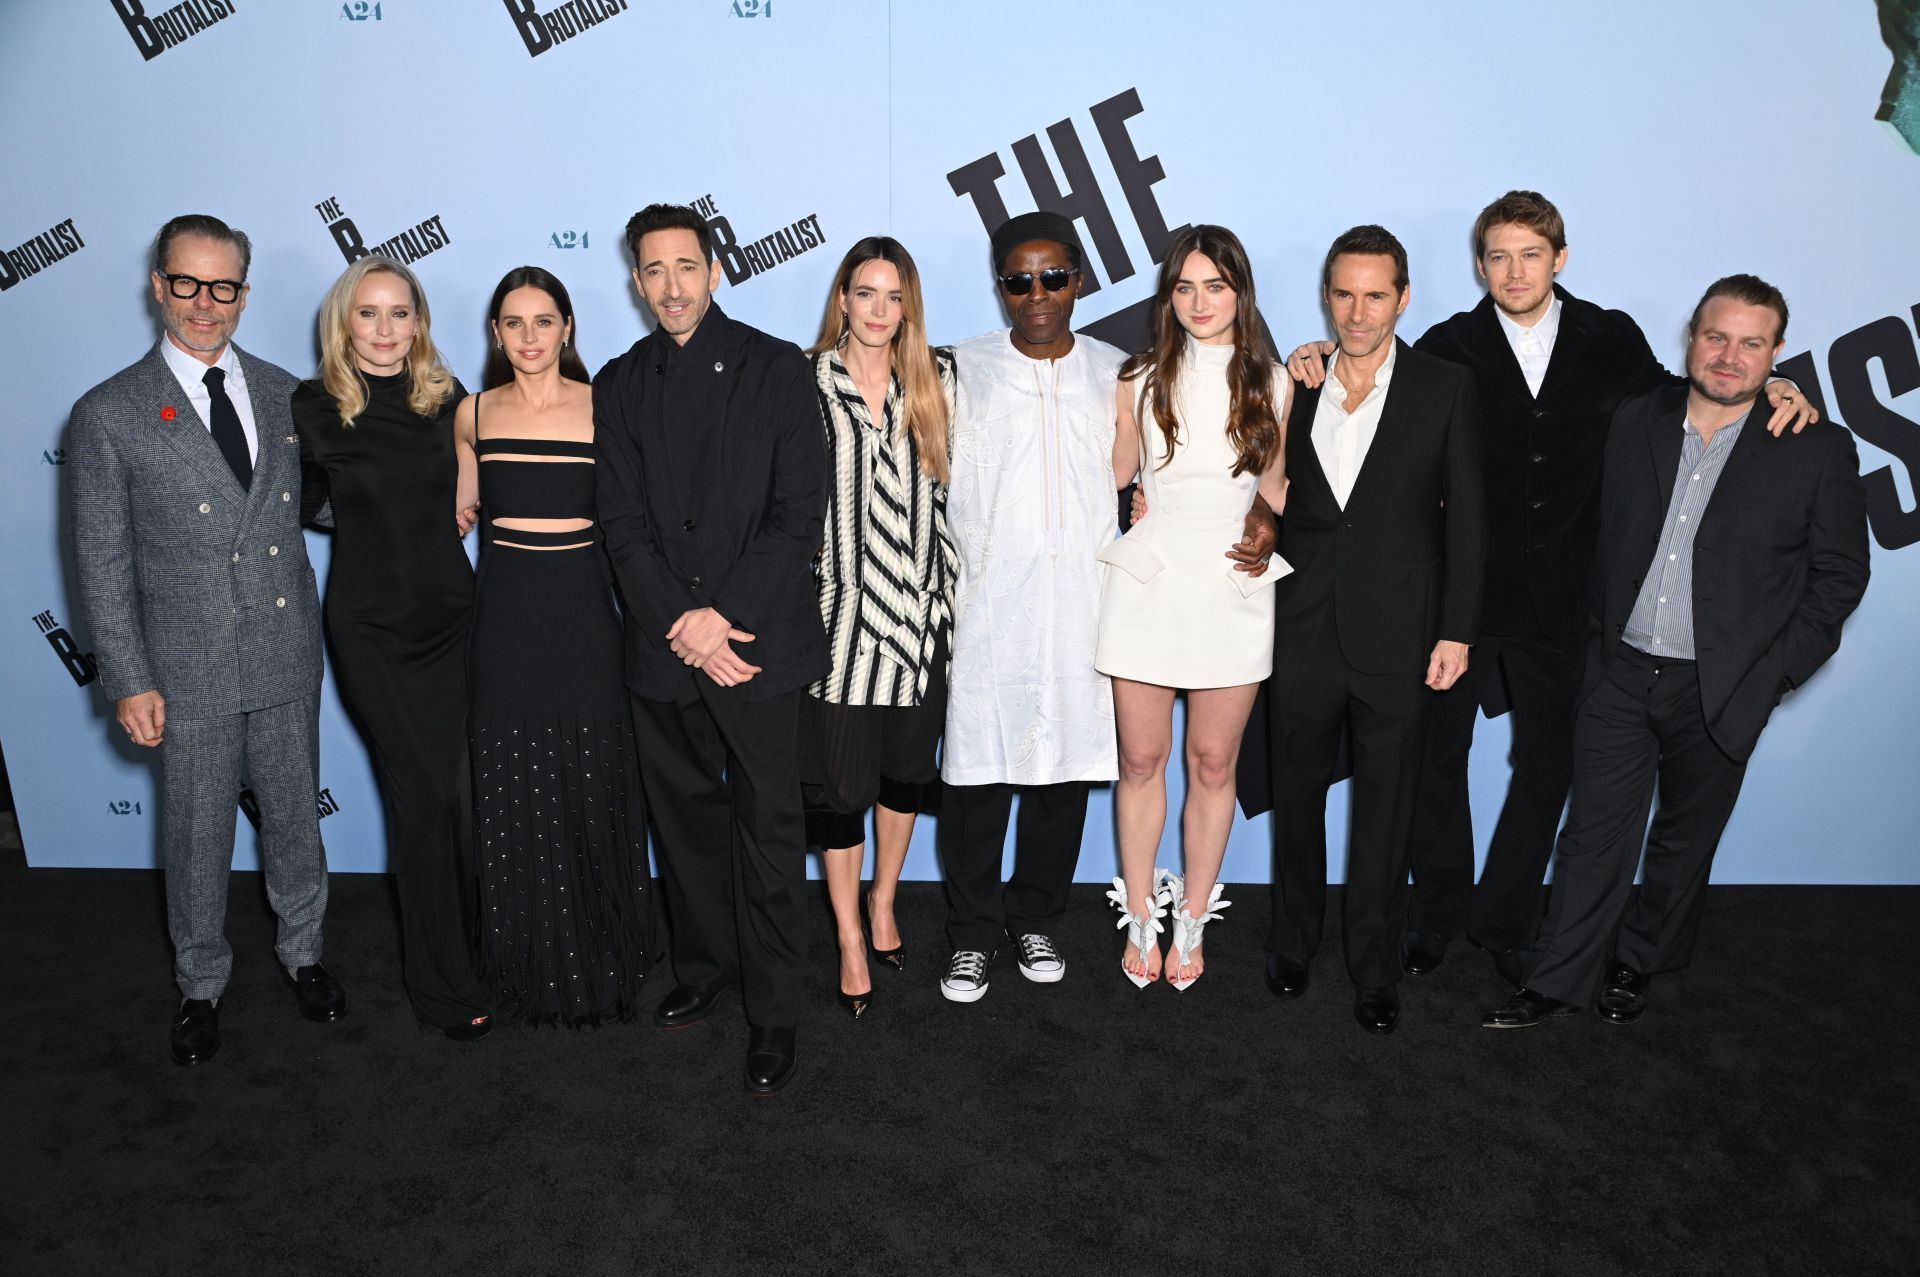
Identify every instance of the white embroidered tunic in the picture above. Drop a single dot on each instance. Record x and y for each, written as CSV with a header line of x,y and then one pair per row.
x,y
1031,505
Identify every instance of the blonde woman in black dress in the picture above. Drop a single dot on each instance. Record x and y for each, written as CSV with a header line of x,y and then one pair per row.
x,y
376,440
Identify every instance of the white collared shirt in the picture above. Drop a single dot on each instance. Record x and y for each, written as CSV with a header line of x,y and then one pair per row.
x,y
1533,347
1341,436
192,376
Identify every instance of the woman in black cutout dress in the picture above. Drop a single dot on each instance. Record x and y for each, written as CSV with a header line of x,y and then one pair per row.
x,y
376,439
566,910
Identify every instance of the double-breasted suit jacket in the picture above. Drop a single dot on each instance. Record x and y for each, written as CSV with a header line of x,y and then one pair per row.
x,y
193,586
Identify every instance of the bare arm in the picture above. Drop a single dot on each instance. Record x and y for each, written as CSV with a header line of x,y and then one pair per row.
x,y
1126,434
466,486
1273,480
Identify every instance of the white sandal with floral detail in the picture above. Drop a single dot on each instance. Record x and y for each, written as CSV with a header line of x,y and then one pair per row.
x,y
1187,930
1143,928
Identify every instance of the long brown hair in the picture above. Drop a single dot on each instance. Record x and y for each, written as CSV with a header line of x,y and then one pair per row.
x,y
429,383
1253,425
925,401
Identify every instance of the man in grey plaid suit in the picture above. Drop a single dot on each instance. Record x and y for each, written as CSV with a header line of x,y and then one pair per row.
x,y
185,474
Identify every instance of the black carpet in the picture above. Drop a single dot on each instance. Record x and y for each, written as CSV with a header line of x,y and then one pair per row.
x,y
1756,1120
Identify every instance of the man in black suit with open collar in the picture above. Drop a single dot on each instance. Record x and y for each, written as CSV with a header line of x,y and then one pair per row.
x,y
712,491
1385,527
1727,561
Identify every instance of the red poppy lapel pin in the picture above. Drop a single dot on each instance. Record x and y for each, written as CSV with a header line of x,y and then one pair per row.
x,y
168,413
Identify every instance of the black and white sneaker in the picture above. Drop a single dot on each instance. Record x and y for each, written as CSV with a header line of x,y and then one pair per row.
x,y
1039,960
966,978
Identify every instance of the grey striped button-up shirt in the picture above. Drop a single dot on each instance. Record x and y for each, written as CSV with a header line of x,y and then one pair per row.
x,y
1662,620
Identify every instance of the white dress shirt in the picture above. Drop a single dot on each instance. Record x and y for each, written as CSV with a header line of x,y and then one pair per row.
x,y
192,374
1342,435
1533,347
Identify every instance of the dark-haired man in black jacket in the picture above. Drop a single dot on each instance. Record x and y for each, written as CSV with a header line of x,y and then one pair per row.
x,y
712,492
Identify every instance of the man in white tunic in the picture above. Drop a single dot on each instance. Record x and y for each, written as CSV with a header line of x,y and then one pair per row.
x,y
1031,505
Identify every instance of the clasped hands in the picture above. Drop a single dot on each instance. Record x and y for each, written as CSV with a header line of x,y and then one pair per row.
x,y
700,638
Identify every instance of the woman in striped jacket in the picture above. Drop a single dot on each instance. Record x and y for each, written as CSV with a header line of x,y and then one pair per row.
x,y
870,729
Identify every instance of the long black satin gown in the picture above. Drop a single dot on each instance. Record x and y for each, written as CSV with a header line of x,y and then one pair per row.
x,y
399,606
566,910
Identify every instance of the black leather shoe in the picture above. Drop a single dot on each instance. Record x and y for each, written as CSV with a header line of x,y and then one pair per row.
x,y
471,1031
1525,1010
195,1035
1285,977
1377,1010
770,1059
687,1004
1422,953
855,1004
1623,995
322,1000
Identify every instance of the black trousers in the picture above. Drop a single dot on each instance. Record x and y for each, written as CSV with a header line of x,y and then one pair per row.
x,y
1642,726
972,836
723,786
1313,700
1542,676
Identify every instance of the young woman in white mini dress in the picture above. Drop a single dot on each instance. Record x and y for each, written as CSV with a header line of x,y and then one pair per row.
x,y
1200,426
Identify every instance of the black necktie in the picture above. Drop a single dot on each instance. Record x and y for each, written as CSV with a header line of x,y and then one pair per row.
x,y
226,428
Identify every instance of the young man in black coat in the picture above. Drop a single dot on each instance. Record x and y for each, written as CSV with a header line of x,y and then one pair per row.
x,y
712,491
1727,561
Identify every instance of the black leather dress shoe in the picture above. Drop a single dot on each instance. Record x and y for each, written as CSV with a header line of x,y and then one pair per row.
x,y
686,1004
1623,995
1525,1010
195,1035
322,1000
1285,977
1422,953
1377,1010
770,1059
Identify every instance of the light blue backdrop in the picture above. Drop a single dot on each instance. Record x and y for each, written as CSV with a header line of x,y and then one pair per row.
x,y
1681,141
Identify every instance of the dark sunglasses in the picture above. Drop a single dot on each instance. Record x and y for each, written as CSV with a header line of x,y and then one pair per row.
x,y
1053,280
224,291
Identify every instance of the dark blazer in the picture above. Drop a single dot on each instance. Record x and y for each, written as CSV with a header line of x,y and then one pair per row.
x,y
1404,564
729,520
1779,560
192,585
1543,454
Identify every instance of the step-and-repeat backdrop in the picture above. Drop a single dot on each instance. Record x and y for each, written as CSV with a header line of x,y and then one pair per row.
x,y
1682,142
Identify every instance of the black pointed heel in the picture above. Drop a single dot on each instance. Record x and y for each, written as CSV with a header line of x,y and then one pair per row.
x,y
895,957
855,1004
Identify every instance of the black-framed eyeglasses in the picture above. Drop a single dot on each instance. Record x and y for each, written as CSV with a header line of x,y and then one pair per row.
x,y
187,287
1054,279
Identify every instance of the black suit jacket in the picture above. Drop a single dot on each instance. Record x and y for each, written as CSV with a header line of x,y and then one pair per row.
x,y
1779,559
1543,453
1404,564
712,492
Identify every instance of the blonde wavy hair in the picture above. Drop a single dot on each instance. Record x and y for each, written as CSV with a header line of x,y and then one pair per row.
x,y
925,402
429,383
